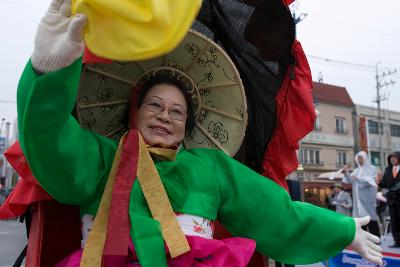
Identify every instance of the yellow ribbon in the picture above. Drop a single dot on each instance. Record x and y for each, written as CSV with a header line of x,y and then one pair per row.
x,y
158,202
162,153
93,250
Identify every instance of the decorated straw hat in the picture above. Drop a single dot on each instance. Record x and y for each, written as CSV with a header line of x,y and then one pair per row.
x,y
217,90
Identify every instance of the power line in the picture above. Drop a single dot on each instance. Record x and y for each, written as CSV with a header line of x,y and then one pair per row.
x,y
341,62
347,25
359,27
23,5
7,101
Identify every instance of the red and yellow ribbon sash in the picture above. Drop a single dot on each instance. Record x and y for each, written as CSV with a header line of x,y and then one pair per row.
x,y
156,197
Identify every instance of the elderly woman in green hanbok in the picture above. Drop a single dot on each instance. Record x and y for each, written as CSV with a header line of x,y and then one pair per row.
x,y
178,194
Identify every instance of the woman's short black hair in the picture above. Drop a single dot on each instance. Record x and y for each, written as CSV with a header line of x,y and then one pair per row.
x,y
168,77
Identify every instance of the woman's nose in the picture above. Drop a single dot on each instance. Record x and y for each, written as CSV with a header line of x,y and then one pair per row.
x,y
164,115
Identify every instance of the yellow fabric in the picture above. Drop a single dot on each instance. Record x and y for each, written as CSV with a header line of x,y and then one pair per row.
x,y
163,153
135,29
158,202
95,243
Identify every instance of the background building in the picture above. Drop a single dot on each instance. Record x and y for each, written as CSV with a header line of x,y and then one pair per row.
x,y
377,138
331,144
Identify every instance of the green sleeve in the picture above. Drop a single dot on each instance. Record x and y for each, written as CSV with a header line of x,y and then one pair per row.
x,y
285,230
69,162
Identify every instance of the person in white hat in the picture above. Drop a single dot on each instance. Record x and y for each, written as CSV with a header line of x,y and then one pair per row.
x,y
342,200
364,189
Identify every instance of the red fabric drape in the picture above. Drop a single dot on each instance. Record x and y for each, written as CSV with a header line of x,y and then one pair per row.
x,y
89,57
27,190
49,241
295,119
288,2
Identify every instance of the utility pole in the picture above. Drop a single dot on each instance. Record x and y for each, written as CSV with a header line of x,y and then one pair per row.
x,y
1,125
7,175
379,98
4,173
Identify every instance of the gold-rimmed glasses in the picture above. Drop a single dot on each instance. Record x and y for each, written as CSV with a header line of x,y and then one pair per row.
x,y
176,113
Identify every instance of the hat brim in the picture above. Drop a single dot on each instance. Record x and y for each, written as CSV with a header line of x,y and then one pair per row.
x,y
221,118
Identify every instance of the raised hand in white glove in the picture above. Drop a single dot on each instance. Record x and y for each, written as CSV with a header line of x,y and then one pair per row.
x,y
58,41
366,244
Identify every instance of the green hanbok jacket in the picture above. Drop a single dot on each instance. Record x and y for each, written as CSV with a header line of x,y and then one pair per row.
x,y
72,164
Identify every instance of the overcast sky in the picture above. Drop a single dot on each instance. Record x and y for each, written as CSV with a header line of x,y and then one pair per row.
x,y
359,32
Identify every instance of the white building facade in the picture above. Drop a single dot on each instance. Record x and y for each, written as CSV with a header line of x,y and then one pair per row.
x,y
378,139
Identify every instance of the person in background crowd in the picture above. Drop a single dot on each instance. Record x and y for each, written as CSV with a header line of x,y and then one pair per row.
x,y
364,189
391,181
329,198
342,200
381,207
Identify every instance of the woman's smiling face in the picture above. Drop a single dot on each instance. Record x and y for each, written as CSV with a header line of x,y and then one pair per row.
x,y
162,115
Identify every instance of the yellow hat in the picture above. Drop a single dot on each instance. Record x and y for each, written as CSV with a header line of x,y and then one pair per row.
x,y
135,29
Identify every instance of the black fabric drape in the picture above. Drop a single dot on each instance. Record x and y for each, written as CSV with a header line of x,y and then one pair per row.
x,y
258,36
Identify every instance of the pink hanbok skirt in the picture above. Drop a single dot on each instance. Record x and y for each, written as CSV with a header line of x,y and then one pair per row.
x,y
234,252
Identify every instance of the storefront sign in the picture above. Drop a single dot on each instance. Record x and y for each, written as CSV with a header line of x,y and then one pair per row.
x,y
329,139
350,259
2,146
363,134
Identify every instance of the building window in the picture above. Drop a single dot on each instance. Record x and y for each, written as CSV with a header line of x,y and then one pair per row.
x,y
375,158
373,127
317,158
395,130
342,159
310,157
300,156
341,125
317,124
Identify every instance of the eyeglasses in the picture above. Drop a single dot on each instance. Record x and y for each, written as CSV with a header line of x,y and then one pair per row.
x,y
176,113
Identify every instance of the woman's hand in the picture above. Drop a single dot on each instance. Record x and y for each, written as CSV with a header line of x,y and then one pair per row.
x,y
366,244
345,170
58,41
378,178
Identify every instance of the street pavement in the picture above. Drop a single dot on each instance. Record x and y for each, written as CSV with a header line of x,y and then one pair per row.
x,y
12,241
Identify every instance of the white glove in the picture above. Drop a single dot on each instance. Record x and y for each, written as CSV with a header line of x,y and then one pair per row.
x,y
58,41
366,244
